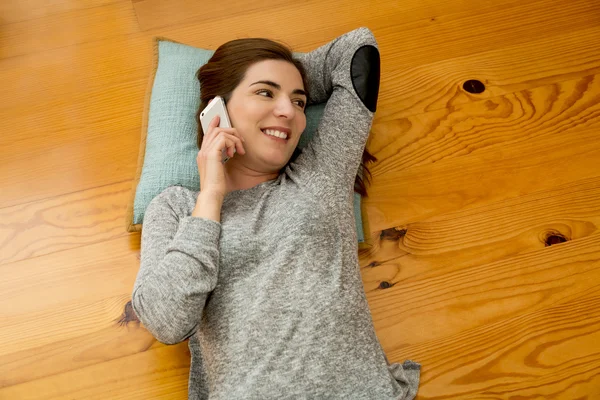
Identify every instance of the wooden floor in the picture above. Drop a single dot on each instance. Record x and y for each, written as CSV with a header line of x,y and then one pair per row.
x,y
484,208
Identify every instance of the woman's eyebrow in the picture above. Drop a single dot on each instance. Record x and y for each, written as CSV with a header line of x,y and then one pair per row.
x,y
278,87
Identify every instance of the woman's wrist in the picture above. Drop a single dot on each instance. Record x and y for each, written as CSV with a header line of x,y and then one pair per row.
x,y
208,205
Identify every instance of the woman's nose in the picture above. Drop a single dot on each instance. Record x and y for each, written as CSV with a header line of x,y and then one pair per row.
x,y
284,108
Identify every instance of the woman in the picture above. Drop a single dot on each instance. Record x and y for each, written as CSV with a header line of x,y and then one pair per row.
x,y
260,268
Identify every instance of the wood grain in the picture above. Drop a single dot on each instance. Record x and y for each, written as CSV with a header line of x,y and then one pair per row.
x,y
161,373
69,293
503,328
542,354
68,28
61,356
103,136
24,10
481,235
86,119
434,86
92,216
400,197
485,256
484,27
154,13
524,116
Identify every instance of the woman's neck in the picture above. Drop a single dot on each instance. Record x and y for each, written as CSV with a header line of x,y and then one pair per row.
x,y
239,177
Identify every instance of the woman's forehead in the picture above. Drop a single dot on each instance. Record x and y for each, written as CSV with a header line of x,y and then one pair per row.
x,y
280,72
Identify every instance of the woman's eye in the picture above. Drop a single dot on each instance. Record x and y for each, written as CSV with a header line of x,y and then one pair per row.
x,y
264,91
301,103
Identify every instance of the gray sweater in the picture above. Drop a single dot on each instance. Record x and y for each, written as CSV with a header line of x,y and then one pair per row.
x,y
271,298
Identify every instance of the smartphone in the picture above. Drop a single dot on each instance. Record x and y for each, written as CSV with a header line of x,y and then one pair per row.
x,y
216,107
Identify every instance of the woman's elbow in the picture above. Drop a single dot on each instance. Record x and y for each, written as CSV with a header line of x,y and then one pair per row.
x,y
164,326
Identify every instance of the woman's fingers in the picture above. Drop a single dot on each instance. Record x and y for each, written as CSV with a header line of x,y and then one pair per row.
x,y
231,139
231,131
214,130
237,144
222,140
230,142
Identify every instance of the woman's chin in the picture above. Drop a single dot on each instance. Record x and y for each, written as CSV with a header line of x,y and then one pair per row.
x,y
276,159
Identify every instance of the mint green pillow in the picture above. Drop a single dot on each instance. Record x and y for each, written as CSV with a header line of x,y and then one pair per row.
x,y
168,146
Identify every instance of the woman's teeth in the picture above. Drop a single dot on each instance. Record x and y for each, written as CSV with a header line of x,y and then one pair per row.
x,y
278,134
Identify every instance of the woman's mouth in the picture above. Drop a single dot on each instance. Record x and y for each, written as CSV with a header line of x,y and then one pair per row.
x,y
276,135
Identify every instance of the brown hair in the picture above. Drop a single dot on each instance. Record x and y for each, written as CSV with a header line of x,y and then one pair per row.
x,y
227,68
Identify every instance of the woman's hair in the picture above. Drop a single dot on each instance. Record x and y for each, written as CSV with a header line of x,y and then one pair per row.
x,y
227,68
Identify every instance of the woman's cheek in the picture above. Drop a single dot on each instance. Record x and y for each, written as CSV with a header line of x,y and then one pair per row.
x,y
302,125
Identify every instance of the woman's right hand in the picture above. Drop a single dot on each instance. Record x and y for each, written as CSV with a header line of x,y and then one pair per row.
x,y
210,159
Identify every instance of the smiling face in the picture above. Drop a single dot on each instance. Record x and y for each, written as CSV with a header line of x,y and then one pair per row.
x,y
271,95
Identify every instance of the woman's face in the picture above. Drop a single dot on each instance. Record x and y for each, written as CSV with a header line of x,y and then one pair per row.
x,y
277,102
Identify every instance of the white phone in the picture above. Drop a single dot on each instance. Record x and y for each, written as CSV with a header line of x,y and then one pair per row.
x,y
216,107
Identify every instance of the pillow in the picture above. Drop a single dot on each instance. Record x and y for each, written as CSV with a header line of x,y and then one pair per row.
x,y
167,154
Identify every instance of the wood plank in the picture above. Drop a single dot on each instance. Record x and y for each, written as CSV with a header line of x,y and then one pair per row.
x,y
451,300
68,168
424,256
65,76
161,373
566,108
212,34
481,235
404,196
473,184
98,347
24,10
73,110
425,248
529,115
470,33
410,90
442,291
89,23
417,32
70,293
541,354
499,136
67,28
59,223
101,64
459,298
474,31
154,14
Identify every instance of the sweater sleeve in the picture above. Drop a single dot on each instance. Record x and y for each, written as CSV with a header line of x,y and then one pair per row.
x,y
344,73
178,269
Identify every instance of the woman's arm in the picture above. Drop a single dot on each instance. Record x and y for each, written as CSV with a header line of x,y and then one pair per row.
x,y
178,269
345,73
